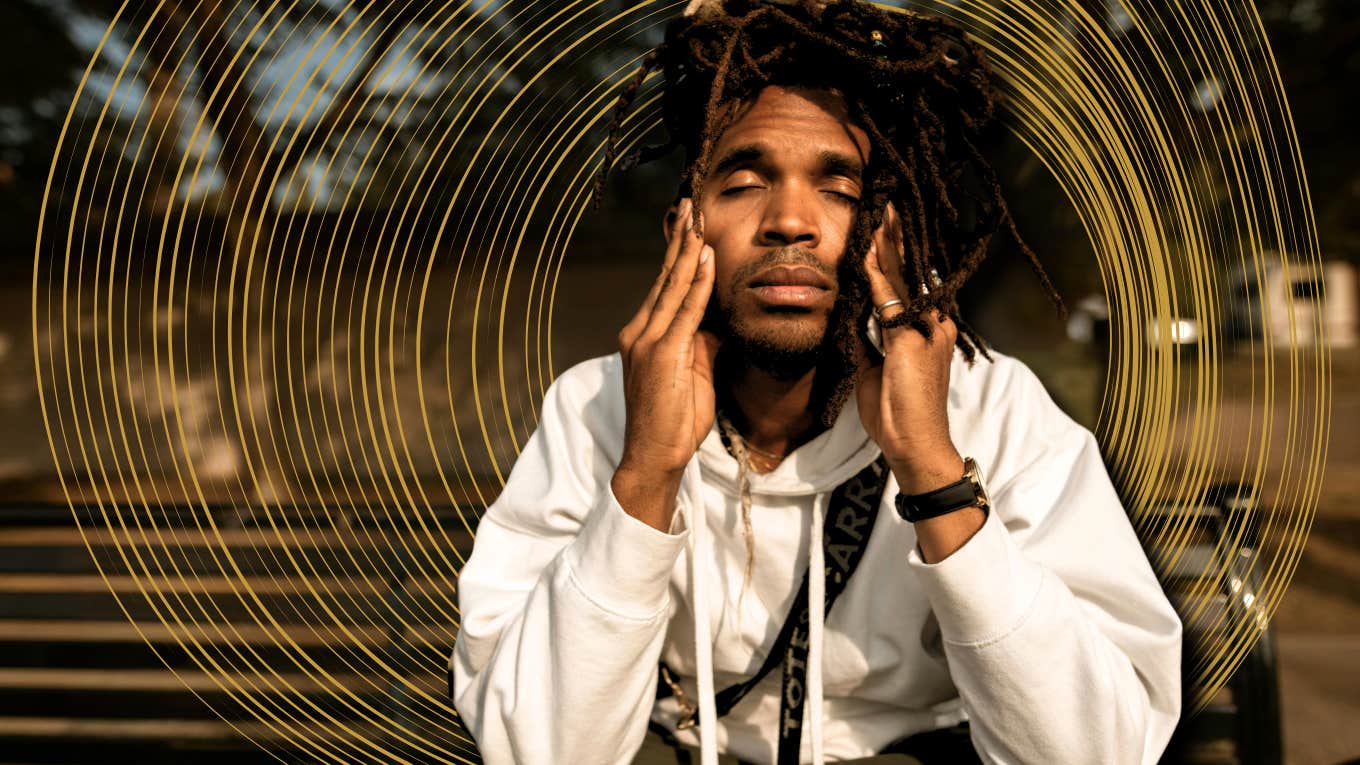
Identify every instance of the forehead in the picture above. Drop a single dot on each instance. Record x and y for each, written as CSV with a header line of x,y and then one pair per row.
x,y
794,123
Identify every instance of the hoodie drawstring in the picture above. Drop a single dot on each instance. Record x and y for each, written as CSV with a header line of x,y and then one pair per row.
x,y
703,636
703,646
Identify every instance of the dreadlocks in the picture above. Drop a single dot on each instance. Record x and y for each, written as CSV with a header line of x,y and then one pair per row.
x,y
918,87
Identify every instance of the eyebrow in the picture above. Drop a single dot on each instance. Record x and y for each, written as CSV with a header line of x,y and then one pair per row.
x,y
835,163
831,162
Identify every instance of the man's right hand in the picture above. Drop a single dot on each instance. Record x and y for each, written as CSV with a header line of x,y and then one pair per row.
x,y
667,378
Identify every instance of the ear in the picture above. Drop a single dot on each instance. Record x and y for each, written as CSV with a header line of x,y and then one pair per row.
x,y
668,221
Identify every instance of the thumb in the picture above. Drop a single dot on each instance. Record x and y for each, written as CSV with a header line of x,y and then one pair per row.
x,y
706,345
867,396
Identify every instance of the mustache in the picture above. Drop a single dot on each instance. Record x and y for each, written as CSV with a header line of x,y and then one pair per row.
x,y
783,256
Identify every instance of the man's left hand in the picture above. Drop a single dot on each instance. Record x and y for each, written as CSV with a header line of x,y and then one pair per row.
x,y
903,401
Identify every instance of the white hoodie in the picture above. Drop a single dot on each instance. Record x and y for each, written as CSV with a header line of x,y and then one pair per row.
x,y
1047,630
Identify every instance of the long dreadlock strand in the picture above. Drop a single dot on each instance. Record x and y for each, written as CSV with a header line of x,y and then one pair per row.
x,y
1003,213
737,445
906,167
932,135
711,132
621,107
975,342
917,215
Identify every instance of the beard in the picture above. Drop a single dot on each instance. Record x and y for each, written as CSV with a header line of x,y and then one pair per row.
x,y
784,342
786,348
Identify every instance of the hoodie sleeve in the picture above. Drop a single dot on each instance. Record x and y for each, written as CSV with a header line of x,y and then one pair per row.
x,y
1058,636
565,598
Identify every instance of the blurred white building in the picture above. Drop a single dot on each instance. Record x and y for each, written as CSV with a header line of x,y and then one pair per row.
x,y
1289,303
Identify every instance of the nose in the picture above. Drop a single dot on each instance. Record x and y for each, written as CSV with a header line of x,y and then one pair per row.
x,y
790,217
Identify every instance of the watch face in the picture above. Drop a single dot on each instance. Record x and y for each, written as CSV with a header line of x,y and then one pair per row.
x,y
974,474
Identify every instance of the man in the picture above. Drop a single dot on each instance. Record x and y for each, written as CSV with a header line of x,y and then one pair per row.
x,y
645,561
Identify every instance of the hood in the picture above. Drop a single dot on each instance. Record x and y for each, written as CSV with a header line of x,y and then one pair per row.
x,y
817,466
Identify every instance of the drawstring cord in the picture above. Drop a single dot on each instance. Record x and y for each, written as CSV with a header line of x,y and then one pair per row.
x,y
703,634
816,603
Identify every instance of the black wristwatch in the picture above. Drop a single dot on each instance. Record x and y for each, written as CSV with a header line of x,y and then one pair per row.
x,y
968,491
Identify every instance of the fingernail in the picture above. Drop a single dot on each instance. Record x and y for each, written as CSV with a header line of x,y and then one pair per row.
x,y
704,254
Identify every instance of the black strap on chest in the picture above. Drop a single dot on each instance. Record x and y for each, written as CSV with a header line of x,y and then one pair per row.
x,y
849,522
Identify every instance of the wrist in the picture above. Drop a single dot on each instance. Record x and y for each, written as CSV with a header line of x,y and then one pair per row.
x,y
927,471
938,538
647,495
649,467
645,473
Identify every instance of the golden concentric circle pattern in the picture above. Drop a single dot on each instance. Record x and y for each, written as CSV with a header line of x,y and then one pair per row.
x,y
294,298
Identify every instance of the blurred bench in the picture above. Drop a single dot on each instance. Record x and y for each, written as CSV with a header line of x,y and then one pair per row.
x,y
343,636
83,678
1241,724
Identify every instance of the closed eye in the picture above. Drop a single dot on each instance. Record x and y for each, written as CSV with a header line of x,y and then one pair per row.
x,y
736,190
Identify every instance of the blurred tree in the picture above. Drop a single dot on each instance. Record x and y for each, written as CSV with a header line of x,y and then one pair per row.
x,y
376,84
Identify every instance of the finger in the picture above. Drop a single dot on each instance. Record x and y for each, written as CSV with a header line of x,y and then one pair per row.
x,y
673,244
705,351
691,311
893,259
946,325
678,229
635,325
676,284
880,290
942,328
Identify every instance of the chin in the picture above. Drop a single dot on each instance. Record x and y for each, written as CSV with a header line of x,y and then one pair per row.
x,y
796,332
784,344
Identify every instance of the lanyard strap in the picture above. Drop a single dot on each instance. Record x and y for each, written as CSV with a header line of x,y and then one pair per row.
x,y
848,524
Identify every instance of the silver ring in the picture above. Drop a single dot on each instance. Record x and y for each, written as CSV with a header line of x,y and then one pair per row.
x,y
878,309
934,277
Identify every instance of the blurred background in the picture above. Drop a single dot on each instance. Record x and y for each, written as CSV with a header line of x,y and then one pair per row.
x,y
308,170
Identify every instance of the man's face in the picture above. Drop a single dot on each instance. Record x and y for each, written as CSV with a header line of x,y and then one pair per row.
x,y
778,205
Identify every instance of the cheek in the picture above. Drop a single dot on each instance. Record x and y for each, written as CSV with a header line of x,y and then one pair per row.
x,y
727,259
840,225
839,237
723,279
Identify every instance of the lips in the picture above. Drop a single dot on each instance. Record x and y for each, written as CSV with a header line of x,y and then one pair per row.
x,y
791,276
785,286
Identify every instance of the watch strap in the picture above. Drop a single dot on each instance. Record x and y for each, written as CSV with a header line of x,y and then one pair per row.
x,y
965,492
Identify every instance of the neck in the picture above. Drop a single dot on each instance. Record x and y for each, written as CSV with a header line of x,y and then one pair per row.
x,y
774,415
